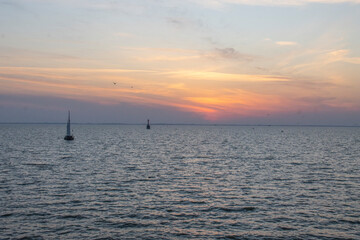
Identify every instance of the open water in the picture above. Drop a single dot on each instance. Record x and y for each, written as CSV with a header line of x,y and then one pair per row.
x,y
179,182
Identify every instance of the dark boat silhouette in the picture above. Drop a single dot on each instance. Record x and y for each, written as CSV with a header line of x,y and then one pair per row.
x,y
68,131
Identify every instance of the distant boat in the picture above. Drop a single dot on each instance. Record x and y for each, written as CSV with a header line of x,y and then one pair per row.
x,y
68,132
148,124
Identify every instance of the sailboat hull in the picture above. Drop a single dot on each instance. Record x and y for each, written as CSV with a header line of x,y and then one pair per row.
x,y
69,138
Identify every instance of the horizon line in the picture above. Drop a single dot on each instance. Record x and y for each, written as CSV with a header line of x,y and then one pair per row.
x,y
188,124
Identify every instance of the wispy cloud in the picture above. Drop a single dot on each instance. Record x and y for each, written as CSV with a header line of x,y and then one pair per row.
x,y
13,4
311,61
182,22
232,54
164,54
218,76
135,8
7,52
286,43
164,58
341,55
178,54
222,3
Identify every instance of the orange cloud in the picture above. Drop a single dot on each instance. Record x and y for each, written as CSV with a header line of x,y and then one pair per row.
x,y
218,76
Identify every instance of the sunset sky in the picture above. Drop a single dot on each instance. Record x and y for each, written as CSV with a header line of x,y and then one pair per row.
x,y
180,61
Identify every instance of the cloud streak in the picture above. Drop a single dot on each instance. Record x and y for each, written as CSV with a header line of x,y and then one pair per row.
x,y
286,43
232,54
221,3
218,76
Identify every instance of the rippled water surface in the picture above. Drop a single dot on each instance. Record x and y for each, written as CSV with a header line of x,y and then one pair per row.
x,y
179,182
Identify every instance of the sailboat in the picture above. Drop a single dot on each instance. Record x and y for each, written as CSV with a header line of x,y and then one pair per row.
x,y
68,132
148,124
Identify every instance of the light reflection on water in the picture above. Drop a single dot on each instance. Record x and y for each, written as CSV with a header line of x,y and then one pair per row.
x,y
179,182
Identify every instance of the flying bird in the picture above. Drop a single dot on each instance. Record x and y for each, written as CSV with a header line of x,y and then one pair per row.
x,y
114,83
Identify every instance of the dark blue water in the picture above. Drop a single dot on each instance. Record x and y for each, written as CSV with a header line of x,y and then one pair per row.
x,y
179,182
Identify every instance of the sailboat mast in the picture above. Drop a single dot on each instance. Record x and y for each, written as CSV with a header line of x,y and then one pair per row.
x,y
68,125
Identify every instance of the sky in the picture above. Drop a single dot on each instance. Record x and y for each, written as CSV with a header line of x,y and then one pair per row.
x,y
277,62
